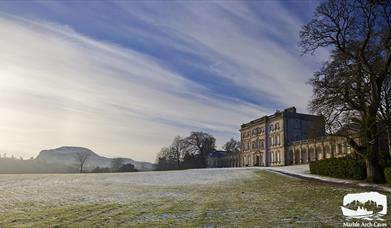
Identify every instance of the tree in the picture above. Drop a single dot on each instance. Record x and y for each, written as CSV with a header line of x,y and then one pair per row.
x,y
127,168
116,163
81,157
200,143
385,110
348,87
177,150
165,160
232,146
101,170
192,161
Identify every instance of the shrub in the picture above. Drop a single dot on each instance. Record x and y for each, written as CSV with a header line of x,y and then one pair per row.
x,y
127,168
101,170
387,174
346,167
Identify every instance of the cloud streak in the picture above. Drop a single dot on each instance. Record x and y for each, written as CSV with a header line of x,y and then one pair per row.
x,y
196,66
62,88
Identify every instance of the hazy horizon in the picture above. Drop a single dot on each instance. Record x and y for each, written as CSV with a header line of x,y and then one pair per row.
x,y
124,78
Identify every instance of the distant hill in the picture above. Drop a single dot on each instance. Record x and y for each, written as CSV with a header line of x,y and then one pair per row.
x,y
66,156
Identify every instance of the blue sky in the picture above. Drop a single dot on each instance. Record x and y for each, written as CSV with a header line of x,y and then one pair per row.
x,y
125,77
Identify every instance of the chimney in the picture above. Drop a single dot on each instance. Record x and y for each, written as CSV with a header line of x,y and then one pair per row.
x,y
290,109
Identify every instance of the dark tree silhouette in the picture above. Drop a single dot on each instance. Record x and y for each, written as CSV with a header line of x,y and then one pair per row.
x,y
127,168
116,163
200,143
177,149
232,146
165,159
184,153
81,158
348,87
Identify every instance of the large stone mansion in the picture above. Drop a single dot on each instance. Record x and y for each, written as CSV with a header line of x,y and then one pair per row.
x,y
283,138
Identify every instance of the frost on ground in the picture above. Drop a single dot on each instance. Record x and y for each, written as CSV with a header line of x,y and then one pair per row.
x,y
110,187
238,197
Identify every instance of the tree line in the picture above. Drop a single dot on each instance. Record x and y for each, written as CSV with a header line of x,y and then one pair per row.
x,y
191,151
117,164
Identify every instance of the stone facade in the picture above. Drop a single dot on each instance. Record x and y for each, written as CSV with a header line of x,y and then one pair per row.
x,y
284,138
329,146
220,159
265,141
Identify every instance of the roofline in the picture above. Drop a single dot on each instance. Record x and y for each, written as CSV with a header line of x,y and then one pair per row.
x,y
276,114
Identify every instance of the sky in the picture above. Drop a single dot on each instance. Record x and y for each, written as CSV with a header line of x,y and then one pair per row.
x,y
123,78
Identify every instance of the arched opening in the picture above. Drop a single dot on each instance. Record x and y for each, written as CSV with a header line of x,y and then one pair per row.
x,y
304,155
312,154
319,152
297,156
327,152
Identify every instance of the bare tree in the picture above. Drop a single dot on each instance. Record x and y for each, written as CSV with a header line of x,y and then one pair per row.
x,y
81,157
165,160
189,152
232,146
385,110
177,150
116,164
200,143
348,88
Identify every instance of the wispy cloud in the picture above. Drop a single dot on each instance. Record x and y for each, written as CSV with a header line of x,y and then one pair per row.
x,y
62,88
167,69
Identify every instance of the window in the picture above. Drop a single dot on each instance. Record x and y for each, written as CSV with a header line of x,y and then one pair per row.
x,y
271,127
277,126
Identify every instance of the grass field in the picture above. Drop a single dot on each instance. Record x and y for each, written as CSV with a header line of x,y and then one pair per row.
x,y
202,198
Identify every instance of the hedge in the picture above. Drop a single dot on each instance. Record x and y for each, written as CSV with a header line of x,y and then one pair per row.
x,y
347,168
387,174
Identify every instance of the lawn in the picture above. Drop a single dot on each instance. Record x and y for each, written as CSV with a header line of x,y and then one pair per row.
x,y
202,198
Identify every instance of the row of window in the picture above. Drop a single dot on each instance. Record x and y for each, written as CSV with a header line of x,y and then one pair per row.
x,y
275,156
259,144
274,140
260,130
